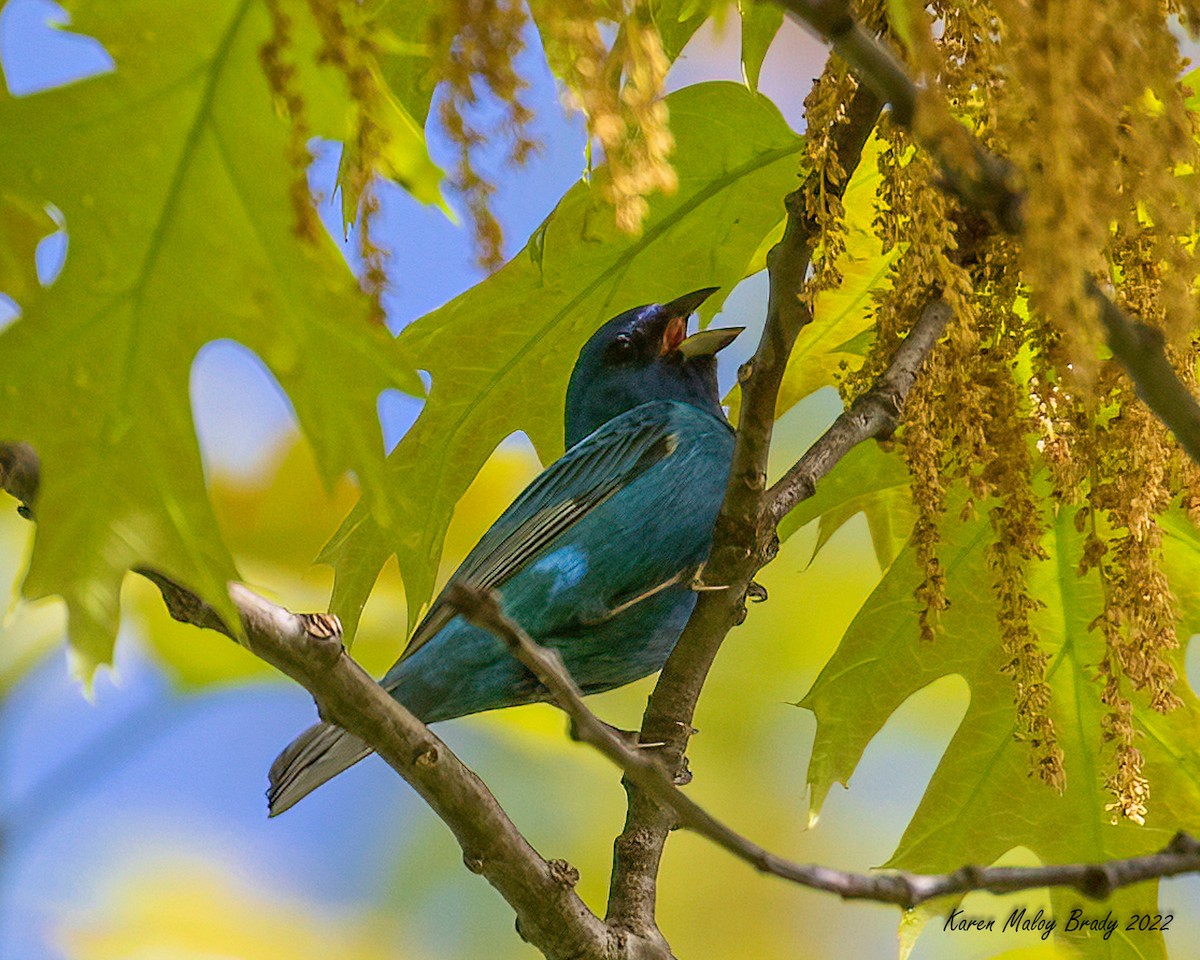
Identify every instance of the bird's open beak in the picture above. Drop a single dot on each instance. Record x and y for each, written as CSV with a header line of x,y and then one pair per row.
x,y
675,332
708,342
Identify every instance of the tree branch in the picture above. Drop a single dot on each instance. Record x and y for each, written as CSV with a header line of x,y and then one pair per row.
x,y
907,890
1141,348
986,182
743,542
651,816
308,648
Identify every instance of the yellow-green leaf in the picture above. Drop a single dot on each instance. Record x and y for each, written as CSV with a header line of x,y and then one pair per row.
x,y
843,317
172,177
982,800
760,22
500,354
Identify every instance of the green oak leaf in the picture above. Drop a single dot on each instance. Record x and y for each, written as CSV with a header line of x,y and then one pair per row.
x,y
499,355
867,480
173,181
838,337
760,22
677,22
982,800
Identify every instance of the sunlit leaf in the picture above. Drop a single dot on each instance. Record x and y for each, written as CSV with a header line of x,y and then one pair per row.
x,y
500,354
172,177
838,337
760,22
982,800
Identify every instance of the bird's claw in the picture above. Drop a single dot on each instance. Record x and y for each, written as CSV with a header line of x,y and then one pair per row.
x,y
700,586
627,737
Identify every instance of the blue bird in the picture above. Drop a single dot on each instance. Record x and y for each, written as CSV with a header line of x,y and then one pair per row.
x,y
595,558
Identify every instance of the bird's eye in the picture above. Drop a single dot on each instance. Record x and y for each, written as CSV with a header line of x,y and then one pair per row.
x,y
622,347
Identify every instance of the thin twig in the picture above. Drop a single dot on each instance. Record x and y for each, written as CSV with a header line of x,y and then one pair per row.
x,y
986,182
743,539
907,890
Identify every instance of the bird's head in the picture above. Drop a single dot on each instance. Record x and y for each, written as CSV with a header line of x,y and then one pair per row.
x,y
641,355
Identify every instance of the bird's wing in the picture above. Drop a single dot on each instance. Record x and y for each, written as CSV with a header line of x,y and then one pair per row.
x,y
566,491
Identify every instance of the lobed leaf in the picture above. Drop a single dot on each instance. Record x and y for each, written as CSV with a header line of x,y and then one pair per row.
x,y
172,177
982,800
866,480
500,354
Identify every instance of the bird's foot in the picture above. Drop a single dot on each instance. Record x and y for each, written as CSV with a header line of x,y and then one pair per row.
x,y
700,585
628,737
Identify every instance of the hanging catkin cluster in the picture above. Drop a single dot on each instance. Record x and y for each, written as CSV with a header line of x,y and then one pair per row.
x,y
620,89
1094,95
347,45
280,70
481,40
1084,97
824,108
473,47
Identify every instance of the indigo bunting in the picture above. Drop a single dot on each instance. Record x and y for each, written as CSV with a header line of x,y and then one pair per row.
x,y
597,556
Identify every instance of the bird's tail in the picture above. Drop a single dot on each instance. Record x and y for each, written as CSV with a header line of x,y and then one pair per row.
x,y
318,754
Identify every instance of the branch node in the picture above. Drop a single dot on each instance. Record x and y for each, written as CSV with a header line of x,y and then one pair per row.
x,y
475,865
322,626
755,480
563,873
427,757
324,630
20,475
1097,883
